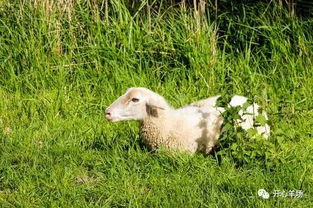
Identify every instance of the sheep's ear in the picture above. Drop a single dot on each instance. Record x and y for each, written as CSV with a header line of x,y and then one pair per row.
x,y
152,107
156,104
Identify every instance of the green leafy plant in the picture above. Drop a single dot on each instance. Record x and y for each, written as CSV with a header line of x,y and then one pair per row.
x,y
244,147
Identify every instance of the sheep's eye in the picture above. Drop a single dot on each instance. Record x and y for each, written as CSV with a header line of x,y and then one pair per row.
x,y
135,100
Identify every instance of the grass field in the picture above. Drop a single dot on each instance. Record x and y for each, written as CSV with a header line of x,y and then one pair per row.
x,y
62,64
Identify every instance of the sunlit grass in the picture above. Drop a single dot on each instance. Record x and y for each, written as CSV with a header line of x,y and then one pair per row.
x,y
61,65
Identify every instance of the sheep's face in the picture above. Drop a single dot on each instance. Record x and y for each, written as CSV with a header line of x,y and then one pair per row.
x,y
133,105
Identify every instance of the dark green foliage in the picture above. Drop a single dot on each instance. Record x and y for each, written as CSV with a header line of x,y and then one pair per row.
x,y
244,147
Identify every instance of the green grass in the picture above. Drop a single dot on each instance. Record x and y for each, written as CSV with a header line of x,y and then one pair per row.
x,y
60,67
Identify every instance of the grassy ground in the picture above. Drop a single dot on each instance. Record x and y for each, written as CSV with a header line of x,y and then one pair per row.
x,y
61,64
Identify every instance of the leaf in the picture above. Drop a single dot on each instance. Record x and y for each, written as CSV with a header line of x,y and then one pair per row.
x,y
261,119
252,132
245,106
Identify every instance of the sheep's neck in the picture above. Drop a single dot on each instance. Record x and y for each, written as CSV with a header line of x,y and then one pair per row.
x,y
154,131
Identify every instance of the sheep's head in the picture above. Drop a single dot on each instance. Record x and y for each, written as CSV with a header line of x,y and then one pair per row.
x,y
135,104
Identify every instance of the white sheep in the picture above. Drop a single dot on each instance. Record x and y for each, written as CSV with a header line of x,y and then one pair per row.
x,y
193,128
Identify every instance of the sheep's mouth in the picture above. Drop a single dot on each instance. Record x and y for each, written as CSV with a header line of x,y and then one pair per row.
x,y
110,118
116,118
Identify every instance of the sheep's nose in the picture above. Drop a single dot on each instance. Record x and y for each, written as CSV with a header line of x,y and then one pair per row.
x,y
108,114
